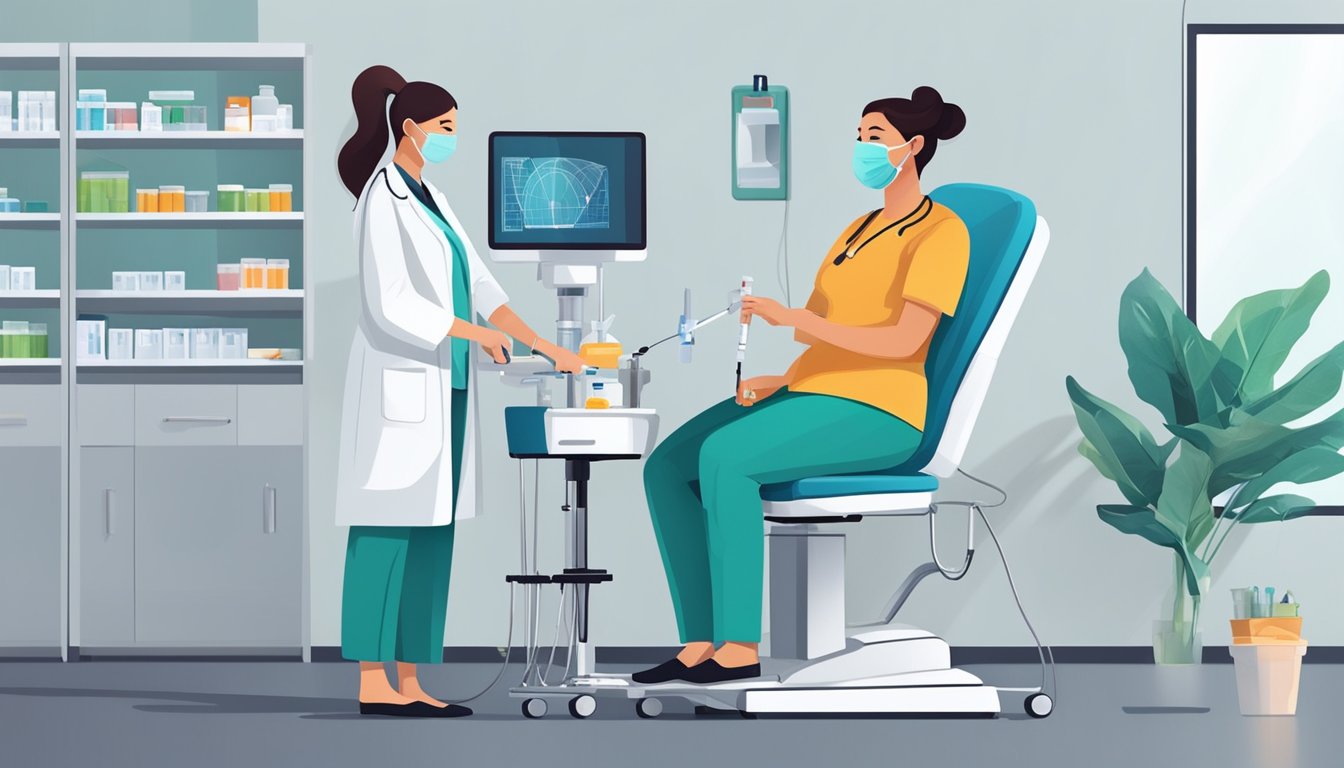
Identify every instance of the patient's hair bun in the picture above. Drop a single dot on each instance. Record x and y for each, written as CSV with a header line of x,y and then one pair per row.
x,y
923,114
950,120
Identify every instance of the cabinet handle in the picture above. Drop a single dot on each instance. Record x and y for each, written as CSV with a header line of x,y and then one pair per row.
x,y
13,420
110,511
194,420
268,509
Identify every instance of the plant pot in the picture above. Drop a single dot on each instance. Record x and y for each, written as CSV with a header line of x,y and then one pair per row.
x,y
1177,640
1176,643
1267,676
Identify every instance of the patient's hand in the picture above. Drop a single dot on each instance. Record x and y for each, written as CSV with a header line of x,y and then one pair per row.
x,y
758,388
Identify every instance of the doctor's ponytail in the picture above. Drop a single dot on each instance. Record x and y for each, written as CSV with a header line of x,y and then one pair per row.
x,y
419,101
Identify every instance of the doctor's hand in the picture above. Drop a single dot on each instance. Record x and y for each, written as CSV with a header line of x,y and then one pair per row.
x,y
770,311
564,360
757,388
495,343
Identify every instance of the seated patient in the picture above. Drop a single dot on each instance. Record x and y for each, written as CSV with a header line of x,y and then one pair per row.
x,y
854,401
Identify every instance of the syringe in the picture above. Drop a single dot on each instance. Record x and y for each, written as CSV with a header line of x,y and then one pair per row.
x,y
742,330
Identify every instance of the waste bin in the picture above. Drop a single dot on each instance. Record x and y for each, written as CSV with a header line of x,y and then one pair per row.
x,y
1268,655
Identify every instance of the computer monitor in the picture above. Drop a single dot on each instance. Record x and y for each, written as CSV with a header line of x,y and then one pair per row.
x,y
567,191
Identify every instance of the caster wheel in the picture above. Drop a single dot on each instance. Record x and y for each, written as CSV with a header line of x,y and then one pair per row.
x,y
1039,705
648,708
582,706
534,708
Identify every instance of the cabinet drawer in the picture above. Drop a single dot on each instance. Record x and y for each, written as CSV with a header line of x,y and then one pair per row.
x,y
105,414
270,415
31,415
186,415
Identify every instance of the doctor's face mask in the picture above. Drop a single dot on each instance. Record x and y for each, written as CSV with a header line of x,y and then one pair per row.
x,y
435,146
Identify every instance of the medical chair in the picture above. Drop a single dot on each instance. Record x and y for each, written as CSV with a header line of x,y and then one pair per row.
x,y
897,669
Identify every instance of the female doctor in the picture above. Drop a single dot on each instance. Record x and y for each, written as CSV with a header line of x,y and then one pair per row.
x,y
408,437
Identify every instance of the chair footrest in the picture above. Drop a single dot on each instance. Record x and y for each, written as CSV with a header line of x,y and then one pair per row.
x,y
582,576
527,578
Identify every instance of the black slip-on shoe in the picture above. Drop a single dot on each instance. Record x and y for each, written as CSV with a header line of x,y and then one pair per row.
x,y
663,673
712,672
413,709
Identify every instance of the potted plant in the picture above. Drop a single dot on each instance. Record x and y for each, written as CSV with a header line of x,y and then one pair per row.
x,y
1230,435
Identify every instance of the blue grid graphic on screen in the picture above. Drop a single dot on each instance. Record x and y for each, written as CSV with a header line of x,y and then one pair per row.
x,y
555,193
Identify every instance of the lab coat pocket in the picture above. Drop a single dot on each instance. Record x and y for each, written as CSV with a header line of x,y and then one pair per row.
x,y
404,395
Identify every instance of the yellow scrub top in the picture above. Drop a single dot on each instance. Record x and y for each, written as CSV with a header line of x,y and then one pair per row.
x,y
922,260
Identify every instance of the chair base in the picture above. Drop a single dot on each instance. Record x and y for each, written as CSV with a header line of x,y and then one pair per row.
x,y
889,672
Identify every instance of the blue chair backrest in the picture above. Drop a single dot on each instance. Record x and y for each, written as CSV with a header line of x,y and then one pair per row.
x,y
1001,223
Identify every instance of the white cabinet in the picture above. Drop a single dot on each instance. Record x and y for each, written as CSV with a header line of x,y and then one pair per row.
x,y
218,551
30,550
107,548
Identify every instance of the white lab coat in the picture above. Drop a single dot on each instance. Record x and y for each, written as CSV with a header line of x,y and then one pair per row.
x,y
395,462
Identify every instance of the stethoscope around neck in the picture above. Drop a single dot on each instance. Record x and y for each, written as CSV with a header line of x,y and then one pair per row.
x,y
920,213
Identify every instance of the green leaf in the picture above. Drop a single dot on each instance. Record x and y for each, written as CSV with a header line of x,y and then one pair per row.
x,y
1184,505
1307,466
1120,447
1251,446
1260,330
1142,521
1311,388
1171,365
1272,509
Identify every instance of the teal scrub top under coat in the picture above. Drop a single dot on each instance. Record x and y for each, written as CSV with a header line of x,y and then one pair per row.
x,y
460,348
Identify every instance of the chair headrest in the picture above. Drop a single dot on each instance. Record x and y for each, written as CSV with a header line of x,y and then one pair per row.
x,y
1001,223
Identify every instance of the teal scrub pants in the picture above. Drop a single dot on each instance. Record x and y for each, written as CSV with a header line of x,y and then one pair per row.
x,y
395,597
704,491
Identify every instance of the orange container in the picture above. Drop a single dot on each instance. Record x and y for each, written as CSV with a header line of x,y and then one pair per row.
x,y
282,197
1269,630
239,101
254,274
172,199
147,200
277,274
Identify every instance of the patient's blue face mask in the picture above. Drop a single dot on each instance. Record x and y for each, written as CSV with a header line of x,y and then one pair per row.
x,y
872,163
437,147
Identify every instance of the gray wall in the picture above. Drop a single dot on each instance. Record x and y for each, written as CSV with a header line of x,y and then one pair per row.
x,y
1075,104
141,21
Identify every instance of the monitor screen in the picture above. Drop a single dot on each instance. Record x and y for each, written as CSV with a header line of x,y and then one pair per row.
x,y
567,191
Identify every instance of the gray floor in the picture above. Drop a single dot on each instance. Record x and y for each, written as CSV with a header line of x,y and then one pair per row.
x,y
106,714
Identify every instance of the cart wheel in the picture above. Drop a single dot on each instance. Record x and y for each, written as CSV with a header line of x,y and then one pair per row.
x,y
534,708
582,706
649,707
1039,705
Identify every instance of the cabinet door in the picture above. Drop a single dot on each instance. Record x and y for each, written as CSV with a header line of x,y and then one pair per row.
x,y
218,546
30,548
106,547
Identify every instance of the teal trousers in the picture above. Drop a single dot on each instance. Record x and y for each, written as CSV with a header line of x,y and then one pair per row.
x,y
704,491
394,601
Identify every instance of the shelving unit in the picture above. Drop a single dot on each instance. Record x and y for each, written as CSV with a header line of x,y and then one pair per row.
x,y
208,220
34,392
200,139
30,220
187,571
249,363
50,297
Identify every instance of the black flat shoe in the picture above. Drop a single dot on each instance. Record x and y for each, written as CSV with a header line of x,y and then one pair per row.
x,y
663,673
711,672
413,709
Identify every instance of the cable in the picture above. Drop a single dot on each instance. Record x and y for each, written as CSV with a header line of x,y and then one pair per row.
x,y
508,644
782,258
1043,650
